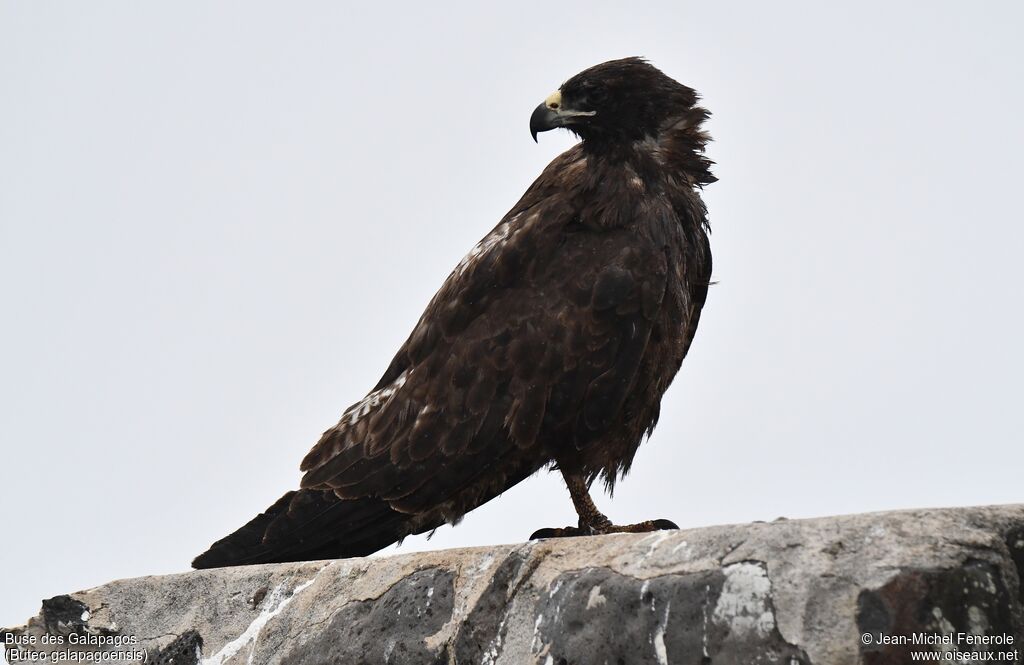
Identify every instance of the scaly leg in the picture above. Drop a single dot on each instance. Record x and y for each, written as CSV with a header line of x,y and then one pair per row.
x,y
593,521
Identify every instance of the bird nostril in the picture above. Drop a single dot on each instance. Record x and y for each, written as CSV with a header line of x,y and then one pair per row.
x,y
553,106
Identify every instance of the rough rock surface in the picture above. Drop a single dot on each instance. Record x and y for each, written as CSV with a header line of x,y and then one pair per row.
x,y
800,591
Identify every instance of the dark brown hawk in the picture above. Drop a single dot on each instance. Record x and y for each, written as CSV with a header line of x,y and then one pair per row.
x,y
551,343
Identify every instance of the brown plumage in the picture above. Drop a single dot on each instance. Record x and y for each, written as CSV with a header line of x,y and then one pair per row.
x,y
551,343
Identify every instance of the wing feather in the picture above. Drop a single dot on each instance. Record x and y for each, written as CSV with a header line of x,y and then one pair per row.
x,y
533,342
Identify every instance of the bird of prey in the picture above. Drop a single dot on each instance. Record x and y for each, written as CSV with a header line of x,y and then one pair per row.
x,y
550,344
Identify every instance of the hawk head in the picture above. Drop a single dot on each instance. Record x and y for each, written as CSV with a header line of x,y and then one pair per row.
x,y
620,100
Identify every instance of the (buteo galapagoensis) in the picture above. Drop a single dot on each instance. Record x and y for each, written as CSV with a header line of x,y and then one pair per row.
x,y
550,344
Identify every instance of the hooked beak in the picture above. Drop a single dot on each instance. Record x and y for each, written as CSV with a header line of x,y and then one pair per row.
x,y
551,114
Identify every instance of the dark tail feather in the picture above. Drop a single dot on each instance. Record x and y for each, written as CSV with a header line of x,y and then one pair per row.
x,y
307,525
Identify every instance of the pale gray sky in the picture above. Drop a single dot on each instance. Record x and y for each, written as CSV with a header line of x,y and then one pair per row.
x,y
218,221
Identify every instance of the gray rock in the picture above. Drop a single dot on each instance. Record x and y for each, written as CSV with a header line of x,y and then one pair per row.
x,y
828,591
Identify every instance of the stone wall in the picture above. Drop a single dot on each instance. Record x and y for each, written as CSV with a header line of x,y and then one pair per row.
x,y
828,591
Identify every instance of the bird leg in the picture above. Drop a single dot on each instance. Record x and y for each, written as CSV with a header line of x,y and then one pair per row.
x,y
592,521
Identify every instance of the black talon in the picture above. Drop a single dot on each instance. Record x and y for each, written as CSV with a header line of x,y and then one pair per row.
x,y
564,532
